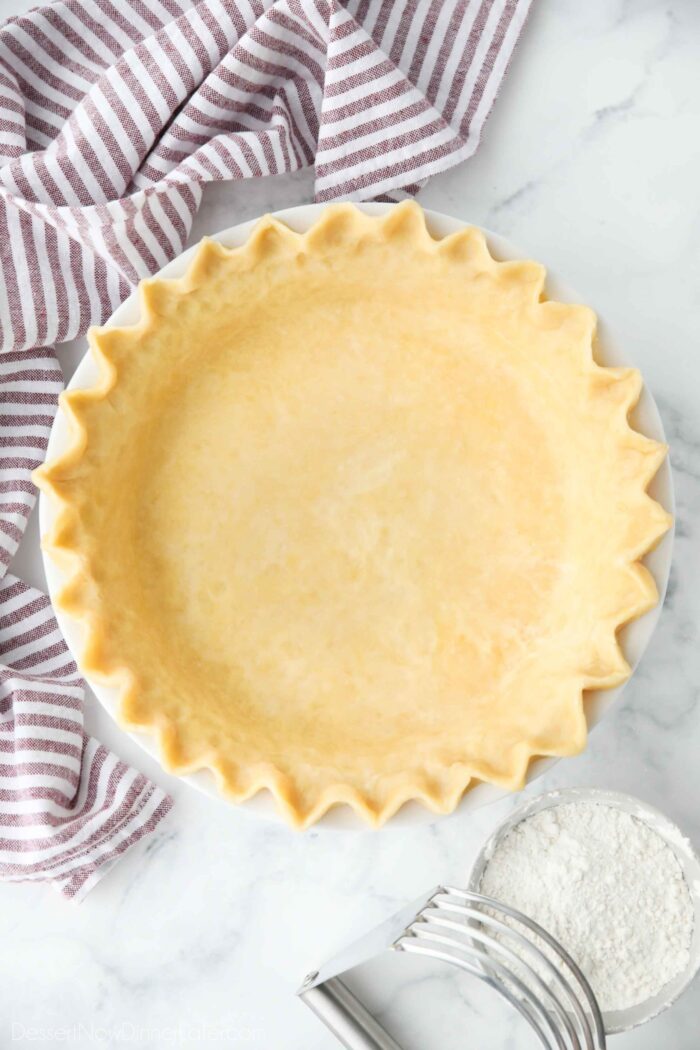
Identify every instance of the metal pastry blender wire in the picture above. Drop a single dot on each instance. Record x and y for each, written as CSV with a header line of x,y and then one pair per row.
x,y
489,941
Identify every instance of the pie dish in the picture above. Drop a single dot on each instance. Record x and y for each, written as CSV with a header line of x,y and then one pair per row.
x,y
353,515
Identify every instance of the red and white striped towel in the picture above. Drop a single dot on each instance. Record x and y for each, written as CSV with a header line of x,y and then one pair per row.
x,y
112,116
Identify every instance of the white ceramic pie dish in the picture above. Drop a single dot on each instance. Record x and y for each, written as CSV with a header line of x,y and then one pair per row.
x,y
635,637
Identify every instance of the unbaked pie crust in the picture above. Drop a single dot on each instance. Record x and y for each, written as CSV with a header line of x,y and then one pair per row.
x,y
354,516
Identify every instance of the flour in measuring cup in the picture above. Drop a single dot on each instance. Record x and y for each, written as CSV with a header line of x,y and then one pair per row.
x,y
607,887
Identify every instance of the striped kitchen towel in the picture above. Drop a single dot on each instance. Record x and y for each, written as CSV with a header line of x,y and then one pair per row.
x,y
113,114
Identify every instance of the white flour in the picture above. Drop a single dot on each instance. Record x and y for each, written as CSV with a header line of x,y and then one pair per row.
x,y
607,887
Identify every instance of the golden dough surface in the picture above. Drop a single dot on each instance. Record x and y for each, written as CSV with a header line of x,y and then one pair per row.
x,y
353,515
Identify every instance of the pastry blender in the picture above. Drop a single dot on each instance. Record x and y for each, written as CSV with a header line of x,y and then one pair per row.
x,y
487,940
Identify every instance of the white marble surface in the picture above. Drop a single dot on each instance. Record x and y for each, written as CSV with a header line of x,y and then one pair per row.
x,y
591,162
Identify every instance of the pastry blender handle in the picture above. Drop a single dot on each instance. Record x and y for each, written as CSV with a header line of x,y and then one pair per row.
x,y
346,1017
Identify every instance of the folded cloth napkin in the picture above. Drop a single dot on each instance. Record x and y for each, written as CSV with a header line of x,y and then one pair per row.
x,y
112,116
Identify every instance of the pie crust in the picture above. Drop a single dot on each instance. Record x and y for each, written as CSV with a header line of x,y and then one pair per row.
x,y
354,516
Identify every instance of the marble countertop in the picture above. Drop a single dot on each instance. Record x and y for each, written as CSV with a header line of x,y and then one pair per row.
x,y
199,937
